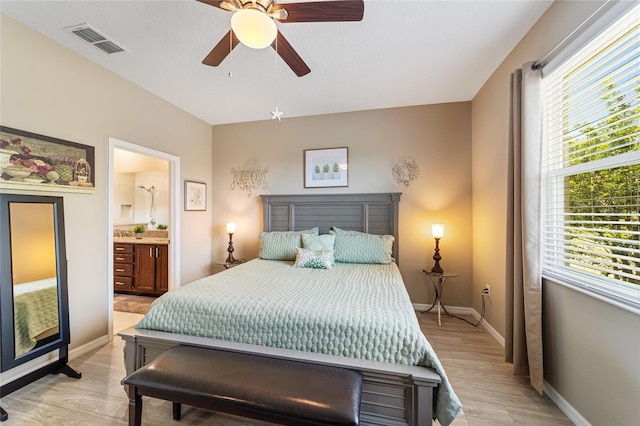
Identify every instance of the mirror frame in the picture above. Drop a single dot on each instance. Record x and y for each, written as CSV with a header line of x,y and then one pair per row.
x,y
8,359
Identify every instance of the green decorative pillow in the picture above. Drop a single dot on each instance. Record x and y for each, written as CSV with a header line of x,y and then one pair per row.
x,y
282,245
335,230
318,242
316,259
359,247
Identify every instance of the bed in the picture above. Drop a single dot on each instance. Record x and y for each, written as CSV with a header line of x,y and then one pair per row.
x,y
352,315
35,313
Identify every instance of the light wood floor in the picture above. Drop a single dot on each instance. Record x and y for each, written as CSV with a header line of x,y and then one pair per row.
x,y
471,357
490,394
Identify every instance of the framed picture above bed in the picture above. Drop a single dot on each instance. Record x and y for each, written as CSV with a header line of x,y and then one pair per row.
x,y
326,168
195,196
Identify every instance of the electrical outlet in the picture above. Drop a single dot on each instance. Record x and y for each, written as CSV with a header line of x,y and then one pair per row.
x,y
487,290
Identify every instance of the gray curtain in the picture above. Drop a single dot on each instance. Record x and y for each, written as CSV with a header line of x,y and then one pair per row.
x,y
523,340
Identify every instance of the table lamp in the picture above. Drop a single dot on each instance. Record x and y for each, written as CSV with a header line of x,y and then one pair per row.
x,y
438,231
231,228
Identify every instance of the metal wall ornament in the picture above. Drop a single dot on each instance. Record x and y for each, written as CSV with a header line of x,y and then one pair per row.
x,y
248,178
405,171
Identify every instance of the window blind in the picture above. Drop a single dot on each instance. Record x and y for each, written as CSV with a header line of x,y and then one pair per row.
x,y
591,163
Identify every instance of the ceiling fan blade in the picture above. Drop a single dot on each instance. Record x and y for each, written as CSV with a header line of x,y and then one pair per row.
x,y
222,49
290,56
228,5
323,11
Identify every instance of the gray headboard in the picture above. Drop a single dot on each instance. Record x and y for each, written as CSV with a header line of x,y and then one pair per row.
x,y
371,213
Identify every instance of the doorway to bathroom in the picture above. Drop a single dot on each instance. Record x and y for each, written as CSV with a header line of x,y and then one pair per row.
x,y
143,223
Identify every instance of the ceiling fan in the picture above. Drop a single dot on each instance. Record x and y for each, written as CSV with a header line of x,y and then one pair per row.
x,y
253,24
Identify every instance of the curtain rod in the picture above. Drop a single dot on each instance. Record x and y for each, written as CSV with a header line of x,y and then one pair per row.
x,y
538,64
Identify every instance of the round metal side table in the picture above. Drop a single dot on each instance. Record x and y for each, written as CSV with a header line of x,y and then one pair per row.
x,y
438,279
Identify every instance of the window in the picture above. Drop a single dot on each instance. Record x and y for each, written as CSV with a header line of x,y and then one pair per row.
x,y
591,166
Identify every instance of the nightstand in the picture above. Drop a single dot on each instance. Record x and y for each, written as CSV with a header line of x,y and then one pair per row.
x,y
438,280
236,262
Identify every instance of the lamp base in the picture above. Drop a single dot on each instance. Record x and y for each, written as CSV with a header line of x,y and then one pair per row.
x,y
436,257
230,249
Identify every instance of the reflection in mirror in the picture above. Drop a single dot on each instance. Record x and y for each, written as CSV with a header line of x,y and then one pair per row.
x,y
33,263
34,307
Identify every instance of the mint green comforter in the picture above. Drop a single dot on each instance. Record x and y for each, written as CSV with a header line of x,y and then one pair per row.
x,y
353,310
35,307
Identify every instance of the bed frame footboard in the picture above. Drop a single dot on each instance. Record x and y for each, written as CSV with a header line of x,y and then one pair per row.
x,y
392,394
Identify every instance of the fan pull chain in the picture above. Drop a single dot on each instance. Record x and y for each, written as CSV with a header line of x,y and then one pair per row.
x,y
230,49
276,115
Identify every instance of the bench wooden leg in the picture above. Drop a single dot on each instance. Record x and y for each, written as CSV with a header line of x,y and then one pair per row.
x,y
177,408
135,407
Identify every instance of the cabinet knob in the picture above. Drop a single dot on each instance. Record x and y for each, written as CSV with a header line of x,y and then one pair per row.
x,y
119,270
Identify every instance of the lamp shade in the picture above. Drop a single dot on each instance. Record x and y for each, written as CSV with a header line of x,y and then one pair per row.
x,y
253,28
437,230
231,227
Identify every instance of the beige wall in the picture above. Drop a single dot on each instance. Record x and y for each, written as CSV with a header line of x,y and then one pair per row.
x,y
592,355
436,136
50,90
592,349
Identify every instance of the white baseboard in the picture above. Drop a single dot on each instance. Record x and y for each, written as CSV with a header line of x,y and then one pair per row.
x,y
88,347
564,405
459,310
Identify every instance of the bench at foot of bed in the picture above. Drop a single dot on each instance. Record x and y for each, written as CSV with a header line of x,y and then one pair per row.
x,y
268,389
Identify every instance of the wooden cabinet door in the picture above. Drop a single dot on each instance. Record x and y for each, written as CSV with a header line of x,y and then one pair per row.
x,y
145,268
162,269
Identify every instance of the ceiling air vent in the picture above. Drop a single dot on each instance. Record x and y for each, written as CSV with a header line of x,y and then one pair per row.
x,y
93,36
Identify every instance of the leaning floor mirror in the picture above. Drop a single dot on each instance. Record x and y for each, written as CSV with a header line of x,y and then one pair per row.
x,y
34,307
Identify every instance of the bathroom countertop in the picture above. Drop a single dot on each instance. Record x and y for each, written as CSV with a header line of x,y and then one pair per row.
x,y
143,240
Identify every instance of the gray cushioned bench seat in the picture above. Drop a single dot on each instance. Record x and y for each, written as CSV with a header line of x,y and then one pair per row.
x,y
268,389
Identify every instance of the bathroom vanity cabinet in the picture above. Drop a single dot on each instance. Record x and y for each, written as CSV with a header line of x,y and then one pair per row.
x,y
140,268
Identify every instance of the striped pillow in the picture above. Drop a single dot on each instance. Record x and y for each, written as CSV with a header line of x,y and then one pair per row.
x,y
282,245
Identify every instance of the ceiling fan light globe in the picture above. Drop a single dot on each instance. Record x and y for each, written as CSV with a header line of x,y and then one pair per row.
x,y
253,28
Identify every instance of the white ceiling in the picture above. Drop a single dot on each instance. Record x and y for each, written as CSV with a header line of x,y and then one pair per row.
x,y
402,53
131,162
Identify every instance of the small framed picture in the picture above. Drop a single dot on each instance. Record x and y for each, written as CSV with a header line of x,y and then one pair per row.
x,y
326,168
195,195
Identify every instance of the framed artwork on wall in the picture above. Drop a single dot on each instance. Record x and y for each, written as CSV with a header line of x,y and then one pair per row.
x,y
195,196
29,161
326,168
